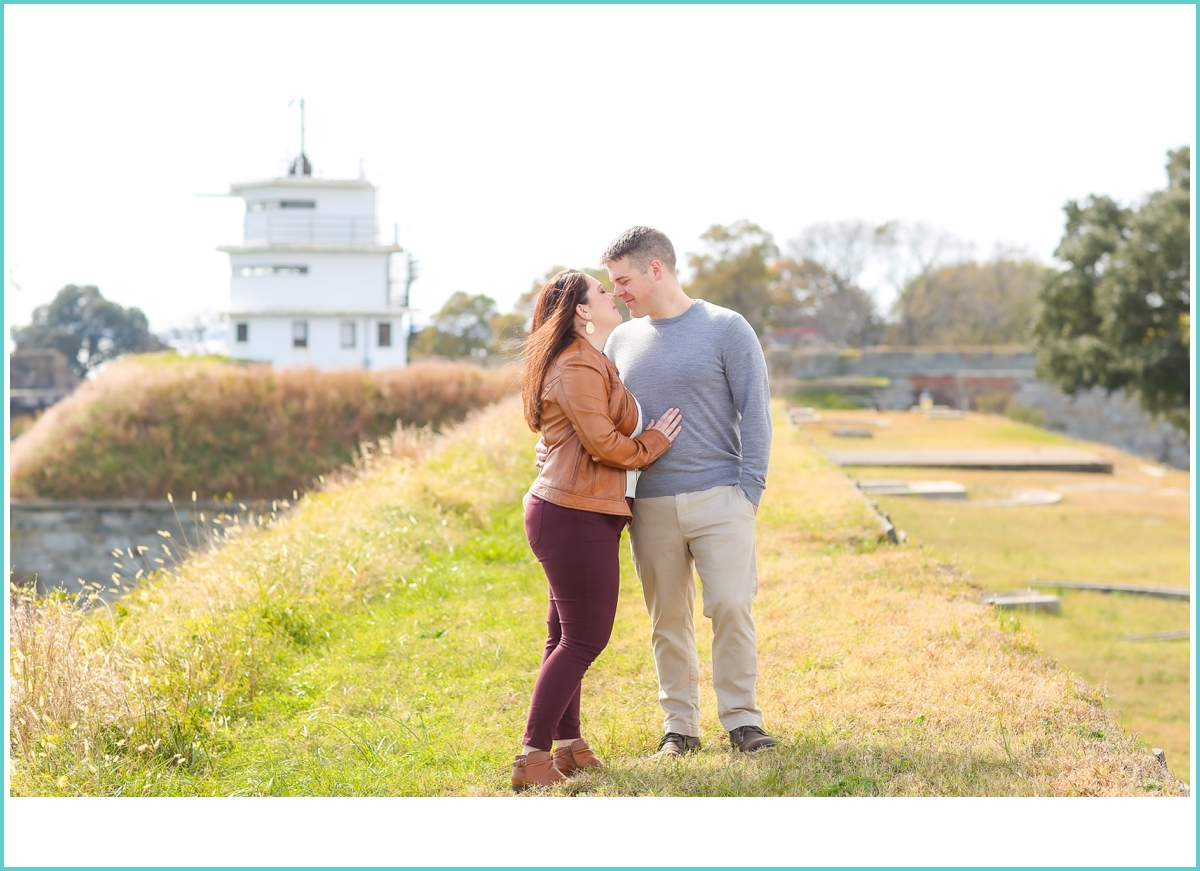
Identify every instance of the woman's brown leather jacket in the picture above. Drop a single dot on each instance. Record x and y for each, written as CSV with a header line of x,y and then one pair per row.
x,y
587,416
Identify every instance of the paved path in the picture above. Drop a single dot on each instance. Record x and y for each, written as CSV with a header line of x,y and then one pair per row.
x,y
1014,459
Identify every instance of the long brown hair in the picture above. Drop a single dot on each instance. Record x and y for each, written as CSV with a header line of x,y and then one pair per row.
x,y
553,330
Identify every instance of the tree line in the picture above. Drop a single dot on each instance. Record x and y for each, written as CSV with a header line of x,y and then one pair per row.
x,y
1113,312
817,287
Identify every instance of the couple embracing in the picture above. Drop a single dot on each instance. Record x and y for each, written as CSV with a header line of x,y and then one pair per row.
x,y
662,423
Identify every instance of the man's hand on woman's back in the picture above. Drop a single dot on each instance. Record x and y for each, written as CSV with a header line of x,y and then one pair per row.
x,y
669,425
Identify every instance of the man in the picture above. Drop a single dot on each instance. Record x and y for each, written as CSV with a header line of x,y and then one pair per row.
x,y
697,504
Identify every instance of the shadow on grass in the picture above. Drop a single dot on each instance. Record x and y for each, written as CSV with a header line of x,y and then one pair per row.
x,y
809,768
828,769
375,758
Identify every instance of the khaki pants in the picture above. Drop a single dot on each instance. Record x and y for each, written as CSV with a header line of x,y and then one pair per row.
x,y
714,531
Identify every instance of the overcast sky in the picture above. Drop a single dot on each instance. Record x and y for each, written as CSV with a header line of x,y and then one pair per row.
x,y
505,140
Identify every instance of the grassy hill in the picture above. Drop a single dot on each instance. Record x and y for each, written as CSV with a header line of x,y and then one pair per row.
x,y
384,636
155,424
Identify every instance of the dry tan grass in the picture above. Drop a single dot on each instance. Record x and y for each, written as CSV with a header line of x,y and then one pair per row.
x,y
64,690
143,430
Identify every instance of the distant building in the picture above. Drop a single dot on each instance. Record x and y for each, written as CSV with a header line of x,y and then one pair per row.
x,y
38,378
804,335
311,283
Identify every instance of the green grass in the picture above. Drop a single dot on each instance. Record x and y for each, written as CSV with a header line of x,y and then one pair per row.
x,y
172,358
367,696
383,639
913,430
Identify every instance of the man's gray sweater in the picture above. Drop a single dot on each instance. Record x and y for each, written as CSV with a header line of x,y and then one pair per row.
x,y
708,363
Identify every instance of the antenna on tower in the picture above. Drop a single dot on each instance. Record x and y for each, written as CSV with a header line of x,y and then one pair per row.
x,y
300,166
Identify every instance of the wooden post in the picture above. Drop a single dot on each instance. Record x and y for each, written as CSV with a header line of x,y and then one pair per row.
x,y
1160,755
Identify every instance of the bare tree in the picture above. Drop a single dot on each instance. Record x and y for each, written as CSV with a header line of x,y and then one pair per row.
x,y
920,248
202,332
846,250
822,280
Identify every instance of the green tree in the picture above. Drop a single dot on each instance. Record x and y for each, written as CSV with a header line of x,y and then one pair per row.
x,y
1117,314
969,303
735,271
87,328
461,328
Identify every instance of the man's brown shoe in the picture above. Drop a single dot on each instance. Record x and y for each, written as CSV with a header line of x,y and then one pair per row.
x,y
674,744
535,769
748,739
572,757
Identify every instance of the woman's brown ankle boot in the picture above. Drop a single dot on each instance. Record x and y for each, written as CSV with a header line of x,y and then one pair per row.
x,y
572,757
535,768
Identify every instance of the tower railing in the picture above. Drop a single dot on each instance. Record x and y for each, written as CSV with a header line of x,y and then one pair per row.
x,y
265,228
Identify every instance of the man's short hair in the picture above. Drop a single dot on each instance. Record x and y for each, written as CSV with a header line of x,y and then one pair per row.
x,y
641,245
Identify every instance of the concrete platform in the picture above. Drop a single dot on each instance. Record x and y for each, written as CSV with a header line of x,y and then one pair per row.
x,y
1021,499
1177,635
1183,593
1010,459
924,489
943,414
1102,487
857,421
803,415
798,415
1029,601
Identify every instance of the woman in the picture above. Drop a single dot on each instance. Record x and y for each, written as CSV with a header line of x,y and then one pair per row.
x,y
578,505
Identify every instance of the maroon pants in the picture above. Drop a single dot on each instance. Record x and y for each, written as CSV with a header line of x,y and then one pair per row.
x,y
579,551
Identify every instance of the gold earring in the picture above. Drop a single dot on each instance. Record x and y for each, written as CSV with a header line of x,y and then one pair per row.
x,y
590,328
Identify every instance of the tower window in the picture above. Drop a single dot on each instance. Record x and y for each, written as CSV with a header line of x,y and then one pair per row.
x,y
385,334
348,334
264,205
243,332
260,271
299,334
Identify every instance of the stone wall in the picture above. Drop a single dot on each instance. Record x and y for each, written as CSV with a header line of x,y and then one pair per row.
x,y
1116,420
61,544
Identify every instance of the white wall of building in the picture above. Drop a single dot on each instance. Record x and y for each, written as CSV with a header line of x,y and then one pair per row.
x,y
271,340
334,280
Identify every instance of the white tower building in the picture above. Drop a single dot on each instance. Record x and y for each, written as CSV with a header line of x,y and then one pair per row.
x,y
311,284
